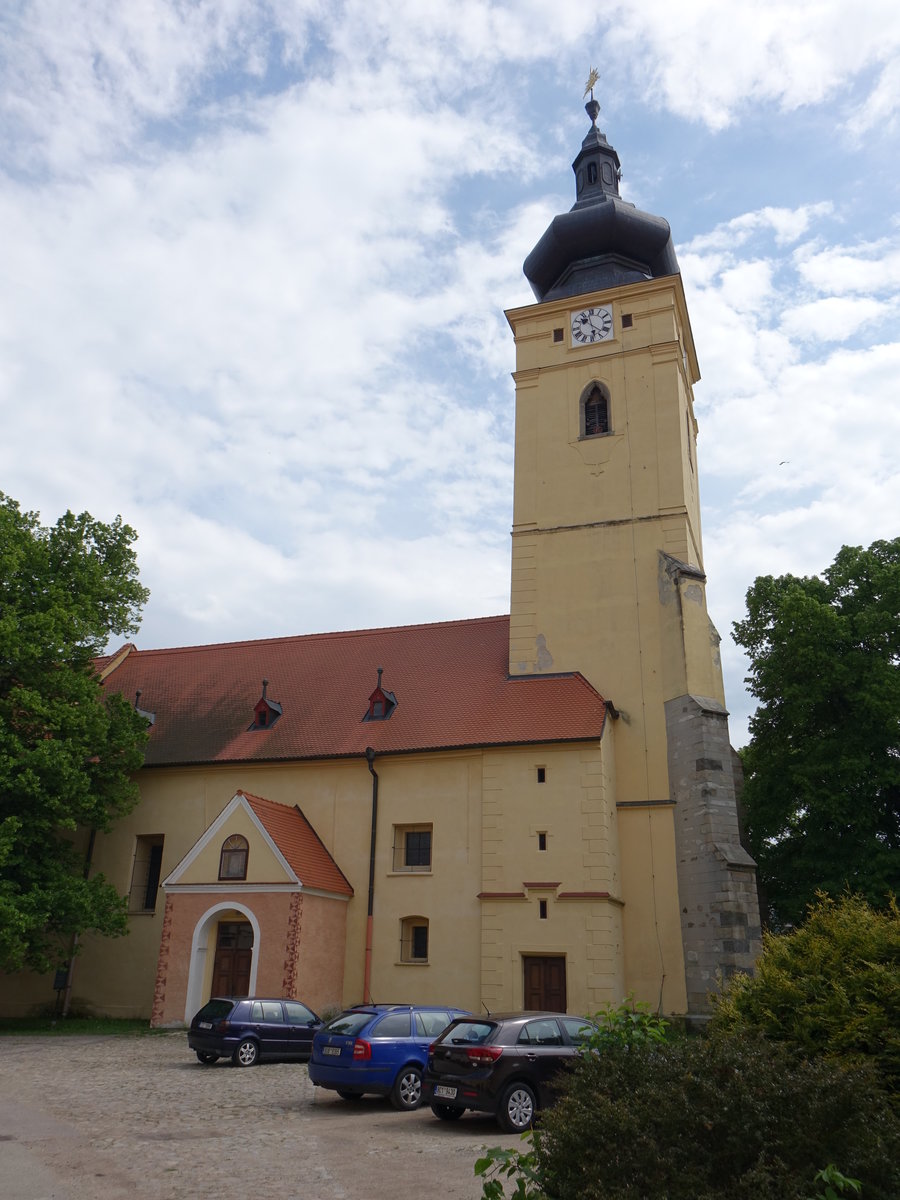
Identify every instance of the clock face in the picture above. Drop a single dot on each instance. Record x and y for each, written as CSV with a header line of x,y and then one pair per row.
x,y
592,325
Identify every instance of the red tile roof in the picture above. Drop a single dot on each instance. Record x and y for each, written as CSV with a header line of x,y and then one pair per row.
x,y
450,679
299,843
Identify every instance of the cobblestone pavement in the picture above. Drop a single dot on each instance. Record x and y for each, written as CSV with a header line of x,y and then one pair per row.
x,y
110,1118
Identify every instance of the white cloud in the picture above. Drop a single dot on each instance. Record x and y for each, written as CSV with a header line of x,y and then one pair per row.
x,y
868,267
710,62
257,254
788,225
832,319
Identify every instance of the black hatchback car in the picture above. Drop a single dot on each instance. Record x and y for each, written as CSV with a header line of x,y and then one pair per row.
x,y
253,1028
506,1064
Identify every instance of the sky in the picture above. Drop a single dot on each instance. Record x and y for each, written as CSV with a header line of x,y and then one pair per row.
x,y
256,256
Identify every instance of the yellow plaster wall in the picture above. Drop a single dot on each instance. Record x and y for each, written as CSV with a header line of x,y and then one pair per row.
x,y
654,958
486,809
444,790
575,808
591,516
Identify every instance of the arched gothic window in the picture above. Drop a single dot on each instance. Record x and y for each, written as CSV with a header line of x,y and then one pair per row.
x,y
595,411
233,859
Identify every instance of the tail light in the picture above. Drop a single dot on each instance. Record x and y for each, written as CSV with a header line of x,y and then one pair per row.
x,y
483,1056
221,1026
362,1051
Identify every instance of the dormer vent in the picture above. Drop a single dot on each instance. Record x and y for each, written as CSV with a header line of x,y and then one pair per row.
x,y
381,702
149,717
266,711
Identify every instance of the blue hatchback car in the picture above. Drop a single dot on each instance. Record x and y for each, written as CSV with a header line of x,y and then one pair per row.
x,y
380,1049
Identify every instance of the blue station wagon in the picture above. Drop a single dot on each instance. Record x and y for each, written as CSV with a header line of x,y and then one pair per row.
x,y
380,1049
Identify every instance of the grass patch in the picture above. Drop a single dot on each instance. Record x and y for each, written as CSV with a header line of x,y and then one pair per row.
x,y
70,1026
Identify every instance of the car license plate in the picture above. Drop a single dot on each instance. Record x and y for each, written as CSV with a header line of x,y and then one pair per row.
x,y
205,1024
443,1092
331,1050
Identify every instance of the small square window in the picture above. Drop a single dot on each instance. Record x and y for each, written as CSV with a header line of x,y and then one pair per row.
x,y
627,320
412,848
558,335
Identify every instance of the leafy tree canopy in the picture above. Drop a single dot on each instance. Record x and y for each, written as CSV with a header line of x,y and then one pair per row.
x,y
67,752
822,790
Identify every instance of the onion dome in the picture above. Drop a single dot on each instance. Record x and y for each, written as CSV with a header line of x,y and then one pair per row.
x,y
602,241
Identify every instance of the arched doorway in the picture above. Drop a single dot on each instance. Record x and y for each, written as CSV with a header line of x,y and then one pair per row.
x,y
205,938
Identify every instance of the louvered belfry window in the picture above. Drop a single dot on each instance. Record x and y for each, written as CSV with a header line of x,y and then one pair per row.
x,y
596,412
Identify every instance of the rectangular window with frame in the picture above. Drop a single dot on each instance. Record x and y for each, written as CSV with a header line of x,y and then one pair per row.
x,y
412,848
146,872
414,940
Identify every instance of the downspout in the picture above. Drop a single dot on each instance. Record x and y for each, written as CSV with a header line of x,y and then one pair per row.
x,y
367,974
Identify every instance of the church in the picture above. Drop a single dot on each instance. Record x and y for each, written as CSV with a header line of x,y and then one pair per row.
x,y
533,810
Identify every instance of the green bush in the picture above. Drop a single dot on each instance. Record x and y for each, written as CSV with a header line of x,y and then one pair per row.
x,y
720,1118
831,987
631,1023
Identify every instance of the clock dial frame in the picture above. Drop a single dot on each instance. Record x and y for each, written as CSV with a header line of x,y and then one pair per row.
x,y
590,325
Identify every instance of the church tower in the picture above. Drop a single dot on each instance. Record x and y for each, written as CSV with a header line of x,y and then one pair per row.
x,y
607,558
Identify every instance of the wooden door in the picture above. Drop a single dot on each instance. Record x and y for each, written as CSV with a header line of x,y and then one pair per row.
x,y
545,983
234,955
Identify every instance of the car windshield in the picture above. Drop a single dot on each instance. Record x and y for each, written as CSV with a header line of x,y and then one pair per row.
x,y
468,1033
214,1010
349,1023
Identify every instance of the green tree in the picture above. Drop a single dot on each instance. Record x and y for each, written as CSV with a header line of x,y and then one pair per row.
x,y
67,752
822,790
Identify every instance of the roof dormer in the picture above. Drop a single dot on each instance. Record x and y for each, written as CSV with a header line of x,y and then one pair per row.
x,y
149,717
381,703
266,712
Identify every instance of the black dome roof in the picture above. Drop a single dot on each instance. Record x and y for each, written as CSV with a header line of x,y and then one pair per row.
x,y
603,241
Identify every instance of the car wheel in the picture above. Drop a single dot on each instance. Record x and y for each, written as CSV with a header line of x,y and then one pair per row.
x,y
206,1057
246,1054
349,1095
447,1112
406,1094
516,1111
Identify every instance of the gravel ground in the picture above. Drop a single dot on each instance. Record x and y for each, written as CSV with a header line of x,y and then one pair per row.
x,y
110,1118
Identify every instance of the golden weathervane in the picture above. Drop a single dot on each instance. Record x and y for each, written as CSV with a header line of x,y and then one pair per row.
x,y
592,79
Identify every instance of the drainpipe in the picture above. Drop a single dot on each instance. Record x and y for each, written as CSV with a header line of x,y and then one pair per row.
x,y
367,974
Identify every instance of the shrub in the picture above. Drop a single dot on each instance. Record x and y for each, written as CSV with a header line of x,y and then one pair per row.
x,y
720,1118
831,987
631,1023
